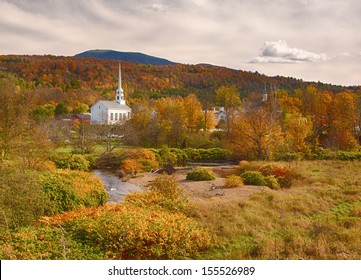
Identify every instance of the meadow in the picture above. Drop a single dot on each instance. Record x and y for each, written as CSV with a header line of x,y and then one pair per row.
x,y
318,217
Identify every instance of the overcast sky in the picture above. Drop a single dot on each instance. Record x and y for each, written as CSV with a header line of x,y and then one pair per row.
x,y
314,40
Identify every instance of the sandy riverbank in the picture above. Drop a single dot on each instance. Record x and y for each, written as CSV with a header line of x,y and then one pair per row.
x,y
202,191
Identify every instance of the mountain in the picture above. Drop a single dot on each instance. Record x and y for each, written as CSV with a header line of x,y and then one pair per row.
x,y
125,56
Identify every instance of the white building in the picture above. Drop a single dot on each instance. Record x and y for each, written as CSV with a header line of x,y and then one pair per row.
x,y
111,112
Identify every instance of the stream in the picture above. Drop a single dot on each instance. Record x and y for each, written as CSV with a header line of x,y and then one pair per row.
x,y
116,188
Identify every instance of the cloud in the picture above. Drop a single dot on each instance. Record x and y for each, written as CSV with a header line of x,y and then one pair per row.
x,y
280,52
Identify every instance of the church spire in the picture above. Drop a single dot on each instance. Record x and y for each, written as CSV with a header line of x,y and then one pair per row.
x,y
120,93
120,77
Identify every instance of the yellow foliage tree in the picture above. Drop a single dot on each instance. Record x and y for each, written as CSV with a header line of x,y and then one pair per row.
x,y
229,99
344,121
297,128
192,112
254,134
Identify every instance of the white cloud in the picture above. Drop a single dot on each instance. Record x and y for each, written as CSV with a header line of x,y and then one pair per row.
x,y
280,52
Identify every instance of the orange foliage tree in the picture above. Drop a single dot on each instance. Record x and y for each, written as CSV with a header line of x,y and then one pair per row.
x,y
344,121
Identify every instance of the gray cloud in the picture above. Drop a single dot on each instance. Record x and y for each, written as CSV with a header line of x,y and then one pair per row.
x,y
225,33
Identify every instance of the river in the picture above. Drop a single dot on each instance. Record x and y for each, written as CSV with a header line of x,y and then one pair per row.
x,y
116,188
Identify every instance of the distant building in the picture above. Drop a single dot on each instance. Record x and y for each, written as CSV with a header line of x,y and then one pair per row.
x,y
111,112
82,118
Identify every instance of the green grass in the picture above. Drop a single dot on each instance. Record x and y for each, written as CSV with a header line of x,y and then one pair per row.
x,y
319,217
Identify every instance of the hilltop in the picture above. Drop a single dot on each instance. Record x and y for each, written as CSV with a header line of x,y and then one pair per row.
x,y
125,56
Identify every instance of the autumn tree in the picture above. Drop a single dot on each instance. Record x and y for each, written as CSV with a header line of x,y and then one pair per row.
x,y
13,115
254,134
172,120
229,99
83,138
109,136
317,106
344,121
297,129
33,147
192,113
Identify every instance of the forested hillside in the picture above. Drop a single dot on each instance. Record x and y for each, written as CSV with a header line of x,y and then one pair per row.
x,y
64,77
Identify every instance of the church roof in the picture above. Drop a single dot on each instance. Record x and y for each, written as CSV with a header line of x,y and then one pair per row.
x,y
113,105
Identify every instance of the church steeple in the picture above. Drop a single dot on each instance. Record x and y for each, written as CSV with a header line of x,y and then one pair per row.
x,y
120,93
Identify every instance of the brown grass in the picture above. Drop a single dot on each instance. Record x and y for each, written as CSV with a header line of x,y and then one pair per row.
x,y
317,218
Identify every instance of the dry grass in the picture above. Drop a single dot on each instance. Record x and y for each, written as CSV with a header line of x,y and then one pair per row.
x,y
319,217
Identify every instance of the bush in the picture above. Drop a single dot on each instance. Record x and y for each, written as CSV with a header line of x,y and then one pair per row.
x,y
165,193
22,200
131,166
71,190
233,181
78,162
206,155
73,162
283,174
254,178
146,158
127,231
167,156
61,160
200,174
272,182
181,155
45,243
111,160
92,160
244,166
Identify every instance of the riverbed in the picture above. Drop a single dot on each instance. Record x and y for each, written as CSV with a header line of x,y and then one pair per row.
x,y
116,188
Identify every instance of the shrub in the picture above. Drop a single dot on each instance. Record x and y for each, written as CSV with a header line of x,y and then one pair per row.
x,y
127,231
111,160
283,174
165,193
253,178
200,174
206,155
181,155
71,190
131,166
92,159
146,158
244,166
73,162
78,162
22,201
167,156
233,181
272,182
61,160
45,243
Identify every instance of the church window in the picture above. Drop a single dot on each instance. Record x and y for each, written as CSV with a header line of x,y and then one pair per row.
x,y
111,116
116,116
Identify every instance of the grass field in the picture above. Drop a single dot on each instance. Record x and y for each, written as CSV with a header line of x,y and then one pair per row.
x,y
319,217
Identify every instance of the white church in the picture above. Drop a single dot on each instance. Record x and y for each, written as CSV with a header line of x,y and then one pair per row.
x,y
111,112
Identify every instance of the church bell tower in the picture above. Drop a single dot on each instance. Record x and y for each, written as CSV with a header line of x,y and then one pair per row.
x,y
119,97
